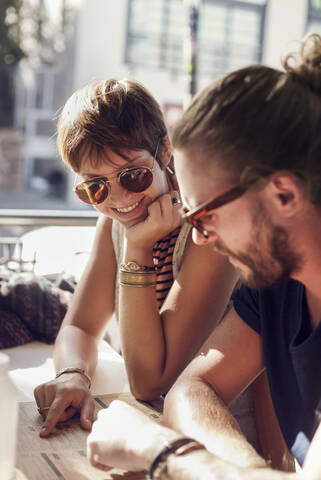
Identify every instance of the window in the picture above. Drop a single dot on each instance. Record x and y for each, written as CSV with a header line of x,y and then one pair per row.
x,y
230,35
314,16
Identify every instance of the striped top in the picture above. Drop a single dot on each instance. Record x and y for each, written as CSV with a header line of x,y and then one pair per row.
x,y
163,261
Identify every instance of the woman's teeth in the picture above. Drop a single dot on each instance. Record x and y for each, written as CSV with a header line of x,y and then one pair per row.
x,y
128,209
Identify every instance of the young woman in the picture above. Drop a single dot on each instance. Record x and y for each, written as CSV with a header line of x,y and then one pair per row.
x,y
167,293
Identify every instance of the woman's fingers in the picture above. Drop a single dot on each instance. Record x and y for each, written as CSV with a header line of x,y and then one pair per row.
x,y
59,400
165,212
39,394
175,198
169,204
56,414
163,217
87,413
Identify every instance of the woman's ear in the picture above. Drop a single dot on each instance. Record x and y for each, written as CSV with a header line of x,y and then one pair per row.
x,y
167,150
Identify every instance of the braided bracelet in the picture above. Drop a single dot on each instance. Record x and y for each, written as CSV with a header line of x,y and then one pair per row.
x,y
181,446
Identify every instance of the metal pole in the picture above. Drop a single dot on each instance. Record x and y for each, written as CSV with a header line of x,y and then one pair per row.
x,y
191,49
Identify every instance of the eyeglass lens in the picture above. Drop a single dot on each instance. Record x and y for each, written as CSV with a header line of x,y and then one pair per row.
x,y
96,191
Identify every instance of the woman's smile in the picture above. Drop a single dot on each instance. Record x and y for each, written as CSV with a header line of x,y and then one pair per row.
x,y
128,209
131,213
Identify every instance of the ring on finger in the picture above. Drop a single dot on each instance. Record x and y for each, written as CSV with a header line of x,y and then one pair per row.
x,y
42,409
175,199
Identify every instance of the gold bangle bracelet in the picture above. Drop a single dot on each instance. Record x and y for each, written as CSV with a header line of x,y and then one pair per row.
x,y
139,285
139,277
74,370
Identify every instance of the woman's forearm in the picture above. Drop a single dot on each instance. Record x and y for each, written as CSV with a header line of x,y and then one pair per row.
x,y
141,329
75,348
168,339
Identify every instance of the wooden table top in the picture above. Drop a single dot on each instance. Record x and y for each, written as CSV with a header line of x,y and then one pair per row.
x,y
63,454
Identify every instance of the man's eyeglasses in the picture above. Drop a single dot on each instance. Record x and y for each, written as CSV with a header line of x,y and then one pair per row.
x,y
134,179
194,216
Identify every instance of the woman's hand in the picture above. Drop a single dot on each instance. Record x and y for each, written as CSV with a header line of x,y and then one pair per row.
x,y
65,396
125,438
163,217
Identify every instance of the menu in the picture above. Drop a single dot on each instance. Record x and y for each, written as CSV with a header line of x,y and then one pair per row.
x,y
63,455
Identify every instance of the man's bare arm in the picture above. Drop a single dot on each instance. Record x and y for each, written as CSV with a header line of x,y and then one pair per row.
x,y
203,464
197,404
134,440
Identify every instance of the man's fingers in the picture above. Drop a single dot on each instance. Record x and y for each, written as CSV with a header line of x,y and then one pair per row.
x,y
94,460
87,413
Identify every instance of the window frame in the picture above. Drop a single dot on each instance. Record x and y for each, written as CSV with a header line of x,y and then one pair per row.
x,y
259,7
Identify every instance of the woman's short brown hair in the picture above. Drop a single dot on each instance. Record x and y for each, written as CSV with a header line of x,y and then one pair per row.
x,y
118,114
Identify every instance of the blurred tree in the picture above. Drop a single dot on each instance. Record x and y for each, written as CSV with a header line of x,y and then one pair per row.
x,y
44,29
28,29
316,4
10,53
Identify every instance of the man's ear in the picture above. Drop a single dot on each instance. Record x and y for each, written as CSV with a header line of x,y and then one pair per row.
x,y
286,193
167,150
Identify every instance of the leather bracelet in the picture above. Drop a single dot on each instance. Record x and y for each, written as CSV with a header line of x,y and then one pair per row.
x,y
74,370
181,446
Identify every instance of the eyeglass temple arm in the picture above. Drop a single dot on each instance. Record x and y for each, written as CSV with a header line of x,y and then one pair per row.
x,y
218,202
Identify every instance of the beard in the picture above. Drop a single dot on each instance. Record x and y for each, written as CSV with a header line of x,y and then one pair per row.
x,y
268,256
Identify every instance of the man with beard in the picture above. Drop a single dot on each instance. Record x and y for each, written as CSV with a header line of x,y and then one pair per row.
x,y
248,153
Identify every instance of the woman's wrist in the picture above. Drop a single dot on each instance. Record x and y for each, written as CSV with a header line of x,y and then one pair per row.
x,y
75,372
142,256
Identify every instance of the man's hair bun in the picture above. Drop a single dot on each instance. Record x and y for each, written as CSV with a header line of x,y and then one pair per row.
x,y
305,65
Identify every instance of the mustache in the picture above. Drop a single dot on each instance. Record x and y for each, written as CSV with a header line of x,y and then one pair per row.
x,y
222,249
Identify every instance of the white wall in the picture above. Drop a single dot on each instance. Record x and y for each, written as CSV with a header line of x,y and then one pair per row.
x,y
101,50
100,44
285,25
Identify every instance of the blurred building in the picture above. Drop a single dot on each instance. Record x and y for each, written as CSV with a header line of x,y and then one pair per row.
x,y
144,39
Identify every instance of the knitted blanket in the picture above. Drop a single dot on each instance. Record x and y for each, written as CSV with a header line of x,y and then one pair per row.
x,y
31,307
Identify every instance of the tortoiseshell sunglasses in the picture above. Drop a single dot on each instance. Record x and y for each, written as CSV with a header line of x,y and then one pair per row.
x,y
194,216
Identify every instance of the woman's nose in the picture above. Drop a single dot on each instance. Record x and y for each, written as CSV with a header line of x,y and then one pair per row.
x,y
117,193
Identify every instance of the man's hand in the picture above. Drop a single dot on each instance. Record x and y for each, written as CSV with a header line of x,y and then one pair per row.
x,y
125,438
64,396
